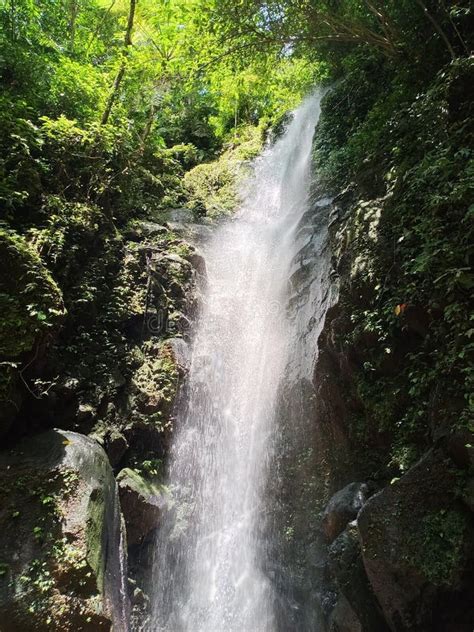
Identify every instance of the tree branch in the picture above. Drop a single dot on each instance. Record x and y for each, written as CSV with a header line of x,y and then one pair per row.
x,y
437,27
123,65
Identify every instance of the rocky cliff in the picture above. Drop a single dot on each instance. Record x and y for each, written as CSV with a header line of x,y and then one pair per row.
x,y
391,420
100,358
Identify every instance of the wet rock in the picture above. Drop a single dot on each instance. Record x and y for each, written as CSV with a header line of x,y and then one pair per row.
x,y
140,231
141,502
181,214
418,547
139,598
172,258
115,445
356,599
198,262
342,508
343,618
86,414
150,229
61,563
156,382
181,353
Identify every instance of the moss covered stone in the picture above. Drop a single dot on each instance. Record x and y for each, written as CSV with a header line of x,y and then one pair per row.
x,y
31,306
417,543
30,300
157,382
60,549
141,499
214,187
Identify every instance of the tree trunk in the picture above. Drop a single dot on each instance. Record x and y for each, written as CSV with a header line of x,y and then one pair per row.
x,y
456,30
437,27
73,11
121,70
148,126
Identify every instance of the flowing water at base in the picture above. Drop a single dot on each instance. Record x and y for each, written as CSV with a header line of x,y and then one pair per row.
x,y
210,570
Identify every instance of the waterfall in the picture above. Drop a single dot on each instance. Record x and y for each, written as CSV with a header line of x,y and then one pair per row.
x,y
211,571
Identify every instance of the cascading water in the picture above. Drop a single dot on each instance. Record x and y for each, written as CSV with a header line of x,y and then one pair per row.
x,y
210,570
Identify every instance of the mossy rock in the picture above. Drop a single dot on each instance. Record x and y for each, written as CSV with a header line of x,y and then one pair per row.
x,y
347,570
32,307
30,300
156,383
417,546
141,500
214,187
59,500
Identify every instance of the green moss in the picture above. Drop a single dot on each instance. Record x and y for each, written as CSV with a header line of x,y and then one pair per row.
x,y
139,483
30,300
157,382
404,253
213,187
437,546
39,519
54,574
31,306
95,537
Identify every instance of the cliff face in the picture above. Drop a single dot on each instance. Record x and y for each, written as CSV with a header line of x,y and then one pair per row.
x,y
102,354
392,377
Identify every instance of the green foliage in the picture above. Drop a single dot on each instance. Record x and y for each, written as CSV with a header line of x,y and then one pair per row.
x,y
77,90
212,187
58,62
20,166
30,301
424,32
438,545
195,79
200,80
409,147
152,467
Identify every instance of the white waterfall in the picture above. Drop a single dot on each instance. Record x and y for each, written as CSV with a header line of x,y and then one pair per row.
x,y
209,571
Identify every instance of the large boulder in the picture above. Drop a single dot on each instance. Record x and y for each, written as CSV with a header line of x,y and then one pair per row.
x,y
356,606
418,548
343,618
342,508
62,566
116,446
141,502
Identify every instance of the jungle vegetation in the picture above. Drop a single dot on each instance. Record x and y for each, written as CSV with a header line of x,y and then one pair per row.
x,y
105,105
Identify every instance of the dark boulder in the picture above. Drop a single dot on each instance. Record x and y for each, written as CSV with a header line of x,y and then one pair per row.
x,y
62,566
342,508
115,445
343,618
356,605
141,501
198,262
418,548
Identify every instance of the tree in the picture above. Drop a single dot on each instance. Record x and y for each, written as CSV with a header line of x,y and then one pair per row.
x,y
123,65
